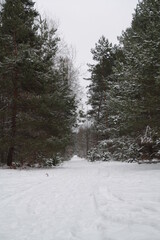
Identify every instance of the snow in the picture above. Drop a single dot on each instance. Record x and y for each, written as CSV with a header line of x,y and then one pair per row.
x,y
81,201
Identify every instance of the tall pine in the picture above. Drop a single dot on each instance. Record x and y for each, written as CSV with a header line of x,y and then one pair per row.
x,y
31,99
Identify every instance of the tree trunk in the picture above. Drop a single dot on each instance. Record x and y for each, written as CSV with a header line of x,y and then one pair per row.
x,y
14,111
10,156
13,127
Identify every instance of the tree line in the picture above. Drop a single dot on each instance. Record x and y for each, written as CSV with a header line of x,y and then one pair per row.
x,y
37,101
125,90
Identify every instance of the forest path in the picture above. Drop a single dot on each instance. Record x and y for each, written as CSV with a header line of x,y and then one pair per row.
x,y
81,201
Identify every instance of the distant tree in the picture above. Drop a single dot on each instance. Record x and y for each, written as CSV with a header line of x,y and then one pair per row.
x,y
102,83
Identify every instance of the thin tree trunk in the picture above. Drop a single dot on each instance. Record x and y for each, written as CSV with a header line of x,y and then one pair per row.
x,y
98,116
13,126
2,135
14,111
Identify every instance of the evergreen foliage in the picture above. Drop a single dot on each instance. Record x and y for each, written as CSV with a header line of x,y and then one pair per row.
x,y
141,45
99,90
131,74
38,106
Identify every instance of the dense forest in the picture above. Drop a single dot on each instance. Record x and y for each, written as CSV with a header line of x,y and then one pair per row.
x,y
38,103
37,100
124,92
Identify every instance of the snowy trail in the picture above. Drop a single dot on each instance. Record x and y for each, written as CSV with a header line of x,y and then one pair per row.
x,y
81,201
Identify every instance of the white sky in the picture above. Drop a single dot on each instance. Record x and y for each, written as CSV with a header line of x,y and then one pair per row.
x,y
83,22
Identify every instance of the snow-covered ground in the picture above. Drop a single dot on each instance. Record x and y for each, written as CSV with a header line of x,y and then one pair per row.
x,y
81,201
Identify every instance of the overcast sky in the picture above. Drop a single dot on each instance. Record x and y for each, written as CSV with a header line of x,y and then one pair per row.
x,y
83,22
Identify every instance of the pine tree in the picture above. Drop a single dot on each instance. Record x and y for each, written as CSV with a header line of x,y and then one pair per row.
x,y
17,30
141,45
102,83
137,74
131,73
38,108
